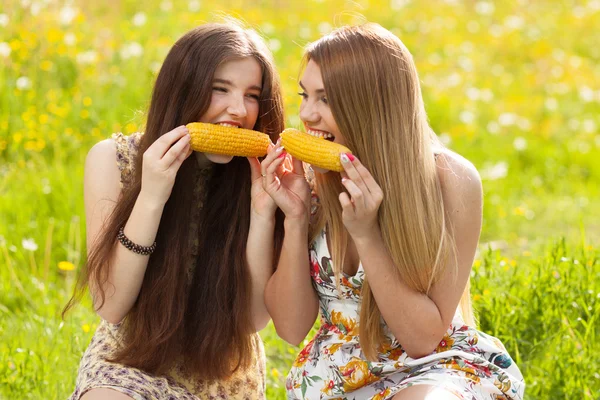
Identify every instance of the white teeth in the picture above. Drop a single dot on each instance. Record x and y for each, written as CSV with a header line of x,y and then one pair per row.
x,y
226,124
319,134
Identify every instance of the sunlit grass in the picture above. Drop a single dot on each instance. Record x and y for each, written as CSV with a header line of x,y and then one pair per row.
x,y
512,87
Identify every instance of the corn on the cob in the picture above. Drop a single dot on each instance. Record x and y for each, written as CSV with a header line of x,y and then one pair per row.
x,y
313,150
218,139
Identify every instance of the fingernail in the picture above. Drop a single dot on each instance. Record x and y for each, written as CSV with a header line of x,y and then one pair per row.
x,y
282,155
278,142
344,158
279,150
344,180
350,156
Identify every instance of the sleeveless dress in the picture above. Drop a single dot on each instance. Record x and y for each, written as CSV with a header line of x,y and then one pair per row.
x,y
467,362
96,372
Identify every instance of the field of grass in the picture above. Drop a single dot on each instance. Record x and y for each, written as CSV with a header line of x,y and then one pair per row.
x,y
512,86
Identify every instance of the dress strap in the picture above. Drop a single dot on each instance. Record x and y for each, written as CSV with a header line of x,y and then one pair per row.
x,y
127,149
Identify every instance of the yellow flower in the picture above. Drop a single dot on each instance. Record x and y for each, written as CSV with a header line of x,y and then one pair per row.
x,y
66,266
348,324
356,374
86,328
382,395
334,347
445,344
275,372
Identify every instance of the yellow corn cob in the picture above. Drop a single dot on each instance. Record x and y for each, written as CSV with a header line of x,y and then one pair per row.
x,y
218,139
313,150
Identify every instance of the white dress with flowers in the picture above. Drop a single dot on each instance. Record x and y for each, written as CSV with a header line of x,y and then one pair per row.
x,y
467,362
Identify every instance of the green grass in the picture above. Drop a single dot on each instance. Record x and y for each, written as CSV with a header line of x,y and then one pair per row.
x,y
510,86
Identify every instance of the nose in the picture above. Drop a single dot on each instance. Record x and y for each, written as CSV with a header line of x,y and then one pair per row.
x,y
237,106
308,112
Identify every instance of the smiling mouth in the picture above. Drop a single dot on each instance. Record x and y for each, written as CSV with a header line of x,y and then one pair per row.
x,y
321,134
227,124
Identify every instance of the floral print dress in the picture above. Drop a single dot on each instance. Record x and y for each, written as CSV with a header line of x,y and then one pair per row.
x,y
467,362
95,371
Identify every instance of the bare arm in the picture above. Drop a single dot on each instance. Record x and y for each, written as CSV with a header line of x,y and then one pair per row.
x,y
289,296
101,192
419,321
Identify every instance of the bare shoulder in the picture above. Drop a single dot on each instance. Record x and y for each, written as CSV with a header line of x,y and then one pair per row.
x,y
102,174
459,179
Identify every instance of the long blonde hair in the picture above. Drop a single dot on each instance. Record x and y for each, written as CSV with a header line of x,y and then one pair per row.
x,y
375,98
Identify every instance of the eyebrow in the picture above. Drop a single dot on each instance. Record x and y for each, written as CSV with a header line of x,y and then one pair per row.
x,y
226,82
318,91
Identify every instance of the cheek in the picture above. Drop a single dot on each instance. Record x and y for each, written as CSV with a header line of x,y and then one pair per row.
x,y
252,108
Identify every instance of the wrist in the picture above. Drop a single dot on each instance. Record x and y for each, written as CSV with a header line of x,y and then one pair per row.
x,y
150,203
297,223
262,219
368,238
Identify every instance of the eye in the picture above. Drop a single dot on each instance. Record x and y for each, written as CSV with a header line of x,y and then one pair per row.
x,y
219,89
254,96
303,95
324,100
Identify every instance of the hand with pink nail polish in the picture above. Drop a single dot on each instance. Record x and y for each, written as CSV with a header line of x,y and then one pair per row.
x,y
360,204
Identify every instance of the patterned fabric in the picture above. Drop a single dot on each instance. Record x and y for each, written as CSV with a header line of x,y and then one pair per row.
x,y
467,362
96,372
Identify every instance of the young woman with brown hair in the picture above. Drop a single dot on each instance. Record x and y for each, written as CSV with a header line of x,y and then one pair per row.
x,y
181,244
391,240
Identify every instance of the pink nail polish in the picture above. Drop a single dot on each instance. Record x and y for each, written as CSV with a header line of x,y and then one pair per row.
x,y
350,156
282,155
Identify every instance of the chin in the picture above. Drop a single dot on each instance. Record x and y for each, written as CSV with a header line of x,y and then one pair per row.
x,y
320,170
218,158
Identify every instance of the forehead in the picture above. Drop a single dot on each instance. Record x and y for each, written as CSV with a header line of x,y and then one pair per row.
x,y
311,78
241,71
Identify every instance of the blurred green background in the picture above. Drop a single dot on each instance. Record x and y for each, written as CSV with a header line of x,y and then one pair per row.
x,y
512,86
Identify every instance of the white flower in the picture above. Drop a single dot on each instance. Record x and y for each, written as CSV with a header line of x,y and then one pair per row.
x,y
589,126
551,104
484,8
520,144
132,49
194,6
473,93
70,39
398,4
5,49
445,139
304,32
586,94
324,28
29,244
467,117
67,15
495,171
493,127
87,57
514,22
139,19
3,20
23,83
274,45
267,28
506,119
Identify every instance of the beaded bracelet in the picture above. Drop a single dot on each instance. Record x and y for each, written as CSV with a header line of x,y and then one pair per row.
x,y
136,248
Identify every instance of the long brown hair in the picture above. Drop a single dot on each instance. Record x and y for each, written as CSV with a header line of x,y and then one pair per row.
x,y
209,317
375,98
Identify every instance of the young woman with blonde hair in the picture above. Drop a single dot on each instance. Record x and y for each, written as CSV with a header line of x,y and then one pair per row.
x,y
391,240
181,245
